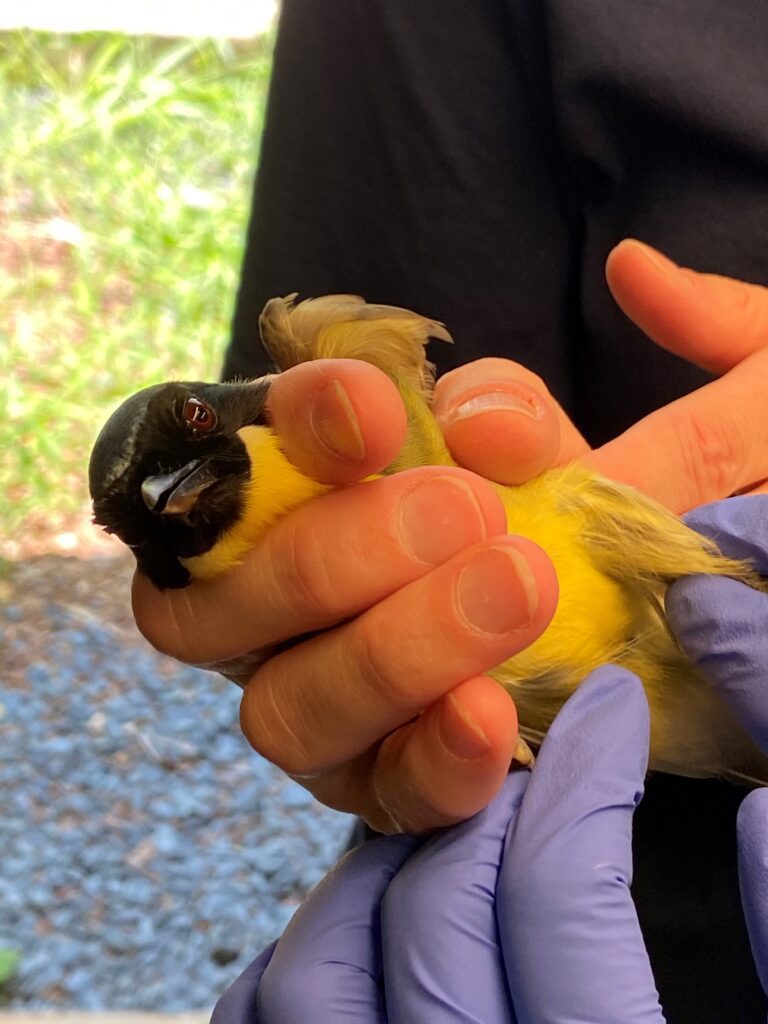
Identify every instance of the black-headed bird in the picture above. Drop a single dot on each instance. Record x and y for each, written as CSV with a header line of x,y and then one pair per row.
x,y
190,475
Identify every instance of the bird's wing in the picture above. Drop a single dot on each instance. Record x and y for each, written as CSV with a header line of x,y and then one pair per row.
x,y
639,542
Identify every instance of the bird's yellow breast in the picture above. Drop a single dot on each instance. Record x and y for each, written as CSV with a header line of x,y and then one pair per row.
x,y
594,612
273,488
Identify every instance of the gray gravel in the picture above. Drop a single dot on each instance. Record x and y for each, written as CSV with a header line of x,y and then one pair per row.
x,y
147,853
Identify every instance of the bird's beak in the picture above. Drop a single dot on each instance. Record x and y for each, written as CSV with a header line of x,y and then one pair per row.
x,y
174,494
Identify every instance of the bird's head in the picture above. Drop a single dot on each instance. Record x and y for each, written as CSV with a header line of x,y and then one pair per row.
x,y
168,471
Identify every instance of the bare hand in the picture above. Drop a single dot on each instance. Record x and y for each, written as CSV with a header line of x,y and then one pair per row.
x,y
705,446
386,713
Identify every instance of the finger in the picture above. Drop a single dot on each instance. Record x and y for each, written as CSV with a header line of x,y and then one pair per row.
x,y
568,926
238,1004
327,966
451,762
382,669
328,560
710,320
440,939
440,769
720,623
752,832
500,421
338,420
704,446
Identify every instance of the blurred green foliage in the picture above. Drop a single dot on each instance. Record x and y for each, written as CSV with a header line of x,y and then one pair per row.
x,y
9,962
124,195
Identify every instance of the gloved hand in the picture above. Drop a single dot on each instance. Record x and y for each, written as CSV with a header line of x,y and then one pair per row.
x,y
523,913
723,626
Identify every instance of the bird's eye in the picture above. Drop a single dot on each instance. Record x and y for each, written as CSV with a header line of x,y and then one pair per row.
x,y
198,416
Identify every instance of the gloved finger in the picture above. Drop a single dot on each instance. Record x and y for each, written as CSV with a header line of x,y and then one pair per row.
x,y
499,420
752,833
339,420
442,961
238,1004
327,966
569,930
739,526
721,624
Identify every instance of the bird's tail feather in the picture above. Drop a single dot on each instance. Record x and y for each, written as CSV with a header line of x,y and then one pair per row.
x,y
347,327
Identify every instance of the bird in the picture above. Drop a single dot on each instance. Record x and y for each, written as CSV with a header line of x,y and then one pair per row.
x,y
190,475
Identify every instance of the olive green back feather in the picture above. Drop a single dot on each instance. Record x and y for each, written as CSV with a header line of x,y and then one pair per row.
x,y
639,542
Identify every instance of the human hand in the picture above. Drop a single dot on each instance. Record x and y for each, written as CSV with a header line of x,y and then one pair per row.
x,y
417,777
521,914
714,440
397,574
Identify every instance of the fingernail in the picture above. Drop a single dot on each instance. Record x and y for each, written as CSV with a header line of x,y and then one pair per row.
x,y
460,732
494,401
439,518
334,423
496,592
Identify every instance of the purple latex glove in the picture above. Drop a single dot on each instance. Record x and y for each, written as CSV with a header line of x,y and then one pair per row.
x,y
521,914
723,626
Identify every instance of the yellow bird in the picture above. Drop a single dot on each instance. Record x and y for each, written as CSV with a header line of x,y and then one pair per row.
x,y
190,475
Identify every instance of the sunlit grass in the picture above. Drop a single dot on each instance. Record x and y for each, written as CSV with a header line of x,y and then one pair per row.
x,y
124,190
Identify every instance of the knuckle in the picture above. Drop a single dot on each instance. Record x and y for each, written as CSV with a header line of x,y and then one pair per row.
x,y
386,678
272,729
712,456
303,574
415,794
415,810
750,306
164,622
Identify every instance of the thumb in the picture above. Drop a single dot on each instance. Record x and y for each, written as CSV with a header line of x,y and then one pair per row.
x,y
338,420
713,321
499,420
